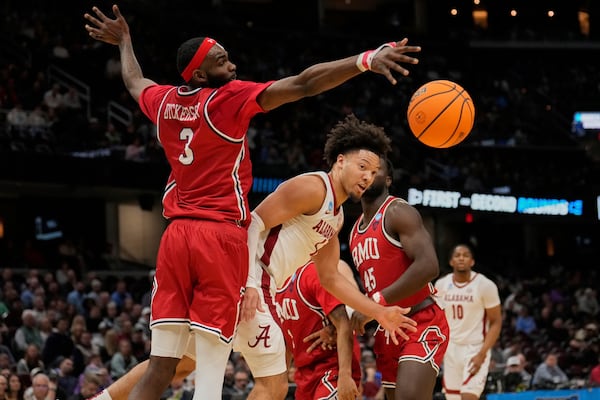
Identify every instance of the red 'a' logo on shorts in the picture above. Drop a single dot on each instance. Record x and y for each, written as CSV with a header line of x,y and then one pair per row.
x,y
264,337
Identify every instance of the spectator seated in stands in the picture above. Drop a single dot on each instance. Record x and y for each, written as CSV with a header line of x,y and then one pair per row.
x,y
516,378
549,375
16,119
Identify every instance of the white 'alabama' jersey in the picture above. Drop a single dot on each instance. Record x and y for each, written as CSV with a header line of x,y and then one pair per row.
x,y
285,248
465,305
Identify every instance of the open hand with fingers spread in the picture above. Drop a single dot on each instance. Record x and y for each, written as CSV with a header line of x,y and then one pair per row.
x,y
387,58
394,320
359,320
105,29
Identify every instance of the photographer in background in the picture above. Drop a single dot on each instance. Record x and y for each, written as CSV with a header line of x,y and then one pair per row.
x,y
516,378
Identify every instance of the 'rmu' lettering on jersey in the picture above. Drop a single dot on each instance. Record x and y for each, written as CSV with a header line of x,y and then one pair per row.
x,y
181,113
288,310
367,250
459,297
324,229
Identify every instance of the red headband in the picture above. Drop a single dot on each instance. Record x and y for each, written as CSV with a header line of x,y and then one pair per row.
x,y
198,58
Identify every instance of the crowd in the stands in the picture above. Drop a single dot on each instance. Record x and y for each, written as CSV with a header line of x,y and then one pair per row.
x,y
78,326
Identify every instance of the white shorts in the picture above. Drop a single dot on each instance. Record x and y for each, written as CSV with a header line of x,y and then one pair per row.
x,y
172,341
261,340
456,376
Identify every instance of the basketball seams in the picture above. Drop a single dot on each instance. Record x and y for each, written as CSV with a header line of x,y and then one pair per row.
x,y
440,113
452,139
422,99
447,120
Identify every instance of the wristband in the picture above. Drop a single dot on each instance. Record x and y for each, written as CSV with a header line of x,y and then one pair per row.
x,y
364,60
378,298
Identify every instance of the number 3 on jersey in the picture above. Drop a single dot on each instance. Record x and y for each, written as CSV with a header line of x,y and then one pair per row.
x,y
187,157
369,280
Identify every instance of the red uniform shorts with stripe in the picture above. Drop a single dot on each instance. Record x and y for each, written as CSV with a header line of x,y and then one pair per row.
x,y
319,381
427,345
201,272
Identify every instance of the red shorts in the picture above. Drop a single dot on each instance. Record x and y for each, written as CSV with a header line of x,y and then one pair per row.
x,y
319,381
201,272
427,345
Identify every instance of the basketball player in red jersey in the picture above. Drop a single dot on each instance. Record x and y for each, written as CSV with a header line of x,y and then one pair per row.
x,y
201,265
305,307
396,261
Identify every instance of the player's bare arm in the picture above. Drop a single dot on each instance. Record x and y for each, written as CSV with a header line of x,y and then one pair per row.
x,y
325,338
494,316
391,318
297,196
358,322
321,77
116,32
405,222
347,389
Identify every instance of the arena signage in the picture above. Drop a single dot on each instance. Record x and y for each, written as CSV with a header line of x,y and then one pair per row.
x,y
494,202
265,185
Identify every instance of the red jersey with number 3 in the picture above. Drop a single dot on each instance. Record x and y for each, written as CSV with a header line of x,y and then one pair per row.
x,y
379,257
203,133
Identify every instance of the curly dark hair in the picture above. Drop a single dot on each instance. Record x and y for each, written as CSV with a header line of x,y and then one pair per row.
x,y
353,134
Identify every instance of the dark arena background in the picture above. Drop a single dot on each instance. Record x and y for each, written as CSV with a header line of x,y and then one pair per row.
x,y
81,181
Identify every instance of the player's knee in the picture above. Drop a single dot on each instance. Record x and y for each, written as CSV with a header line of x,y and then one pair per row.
x,y
162,369
185,367
282,389
279,385
411,392
276,387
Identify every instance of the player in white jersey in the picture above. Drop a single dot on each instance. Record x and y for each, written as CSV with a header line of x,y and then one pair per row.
x,y
282,249
298,222
473,311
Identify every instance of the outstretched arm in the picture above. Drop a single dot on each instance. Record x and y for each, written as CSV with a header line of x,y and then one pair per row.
x,y
391,318
116,32
321,77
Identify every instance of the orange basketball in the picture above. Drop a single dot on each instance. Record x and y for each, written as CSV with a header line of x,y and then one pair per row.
x,y
441,114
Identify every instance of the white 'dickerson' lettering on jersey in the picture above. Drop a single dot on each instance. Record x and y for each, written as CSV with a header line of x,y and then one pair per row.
x,y
182,113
